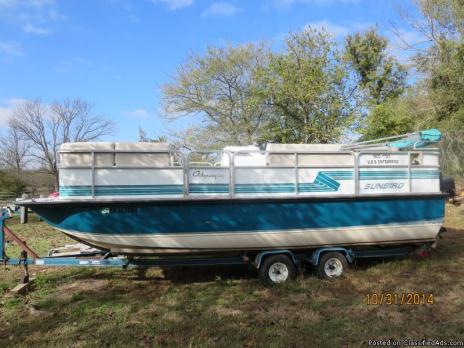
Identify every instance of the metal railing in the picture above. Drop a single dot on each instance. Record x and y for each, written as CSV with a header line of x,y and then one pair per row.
x,y
185,163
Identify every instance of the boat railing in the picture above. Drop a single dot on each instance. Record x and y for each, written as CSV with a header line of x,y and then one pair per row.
x,y
194,169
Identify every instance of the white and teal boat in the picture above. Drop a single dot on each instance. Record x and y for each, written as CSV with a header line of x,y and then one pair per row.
x,y
147,198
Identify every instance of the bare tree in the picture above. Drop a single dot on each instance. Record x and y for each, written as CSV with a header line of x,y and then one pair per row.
x,y
14,151
47,127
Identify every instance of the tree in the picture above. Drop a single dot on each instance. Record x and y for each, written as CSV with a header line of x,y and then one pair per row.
x,y
442,66
45,128
381,80
143,138
10,184
310,94
379,75
389,118
221,86
250,94
443,61
440,60
14,152
199,138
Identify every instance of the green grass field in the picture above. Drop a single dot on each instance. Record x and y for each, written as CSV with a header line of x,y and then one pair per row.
x,y
227,306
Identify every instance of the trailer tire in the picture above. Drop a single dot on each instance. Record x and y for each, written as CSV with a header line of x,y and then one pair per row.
x,y
276,269
332,265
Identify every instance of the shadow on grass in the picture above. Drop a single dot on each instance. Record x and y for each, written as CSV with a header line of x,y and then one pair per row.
x,y
174,274
207,273
158,312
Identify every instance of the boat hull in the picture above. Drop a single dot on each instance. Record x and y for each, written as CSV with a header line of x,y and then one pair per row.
x,y
223,225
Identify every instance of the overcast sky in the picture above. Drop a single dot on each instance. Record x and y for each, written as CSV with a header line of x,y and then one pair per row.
x,y
117,53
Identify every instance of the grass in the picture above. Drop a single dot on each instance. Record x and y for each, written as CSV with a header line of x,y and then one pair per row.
x,y
227,306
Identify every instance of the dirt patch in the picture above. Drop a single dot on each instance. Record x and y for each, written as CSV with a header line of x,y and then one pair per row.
x,y
228,312
173,317
67,291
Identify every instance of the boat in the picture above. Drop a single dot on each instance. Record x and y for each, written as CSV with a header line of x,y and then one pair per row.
x,y
152,199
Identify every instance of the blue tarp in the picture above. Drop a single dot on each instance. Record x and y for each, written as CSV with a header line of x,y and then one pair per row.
x,y
430,135
418,140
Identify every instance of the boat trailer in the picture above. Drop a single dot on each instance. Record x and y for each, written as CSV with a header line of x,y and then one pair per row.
x,y
262,261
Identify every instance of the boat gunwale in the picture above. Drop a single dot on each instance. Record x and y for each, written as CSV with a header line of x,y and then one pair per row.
x,y
221,199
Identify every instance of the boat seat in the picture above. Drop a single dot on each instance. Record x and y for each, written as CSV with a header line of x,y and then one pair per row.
x,y
276,159
139,155
79,154
132,155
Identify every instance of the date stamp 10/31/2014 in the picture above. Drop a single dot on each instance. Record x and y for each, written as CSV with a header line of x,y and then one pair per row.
x,y
399,299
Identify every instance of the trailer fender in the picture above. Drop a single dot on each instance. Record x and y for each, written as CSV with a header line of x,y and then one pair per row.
x,y
316,255
262,255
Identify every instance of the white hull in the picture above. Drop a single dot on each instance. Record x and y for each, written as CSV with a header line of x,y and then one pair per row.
x,y
287,239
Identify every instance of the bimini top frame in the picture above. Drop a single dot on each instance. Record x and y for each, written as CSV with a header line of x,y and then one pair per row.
x,y
414,140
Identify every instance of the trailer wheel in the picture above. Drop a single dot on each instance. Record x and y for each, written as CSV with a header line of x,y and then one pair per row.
x,y
332,265
276,269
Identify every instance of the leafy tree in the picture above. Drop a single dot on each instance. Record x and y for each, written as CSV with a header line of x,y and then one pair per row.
x,y
222,87
200,138
10,183
379,75
143,138
249,94
381,79
310,94
389,118
441,61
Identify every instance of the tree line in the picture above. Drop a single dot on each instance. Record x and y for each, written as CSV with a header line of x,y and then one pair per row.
x,y
313,89
317,90
35,132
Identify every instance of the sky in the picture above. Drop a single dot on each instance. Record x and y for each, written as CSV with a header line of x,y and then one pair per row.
x,y
117,54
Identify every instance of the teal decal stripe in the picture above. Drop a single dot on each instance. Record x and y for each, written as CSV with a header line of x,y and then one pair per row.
x,y
325,181
425,174
397,174
338,174
209,188
121,190
311,188
69,191
264,188
383,174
